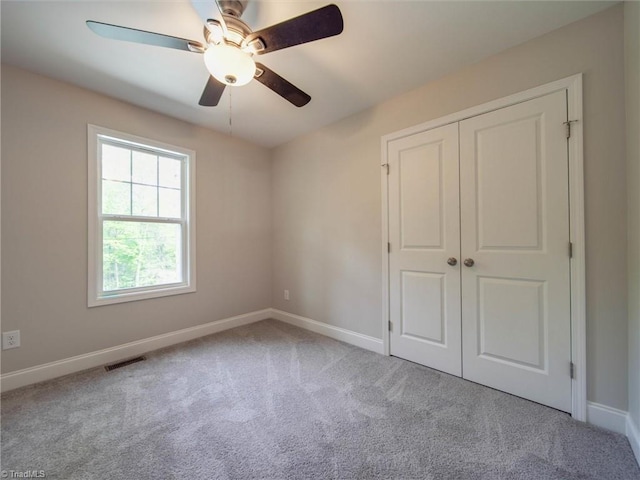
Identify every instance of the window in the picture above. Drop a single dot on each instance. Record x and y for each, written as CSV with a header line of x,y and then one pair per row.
x,y
141,218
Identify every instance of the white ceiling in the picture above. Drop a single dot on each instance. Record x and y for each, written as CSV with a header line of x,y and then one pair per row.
x,y
387,48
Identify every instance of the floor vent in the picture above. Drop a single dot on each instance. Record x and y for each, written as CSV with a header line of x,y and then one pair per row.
x,y
124,363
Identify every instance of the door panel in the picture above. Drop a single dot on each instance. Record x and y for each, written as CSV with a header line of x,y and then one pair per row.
x,y
424,232
506,306
515,226
421,313
509,184
420,197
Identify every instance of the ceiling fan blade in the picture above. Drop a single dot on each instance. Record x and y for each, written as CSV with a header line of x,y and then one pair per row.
x,y
282,87
127,34
212,93
315,25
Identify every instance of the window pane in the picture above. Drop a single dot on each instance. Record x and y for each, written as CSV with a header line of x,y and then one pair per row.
x,y
116,163
170,172
140,254
145,201
145,168
169,203
116,197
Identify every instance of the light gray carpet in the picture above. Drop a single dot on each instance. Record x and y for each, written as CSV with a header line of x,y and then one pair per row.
x,y
272,401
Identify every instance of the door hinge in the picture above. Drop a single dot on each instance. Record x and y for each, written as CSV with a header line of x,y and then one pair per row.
x,y
572,370
390,326
570,250
388,247
386,165
567,126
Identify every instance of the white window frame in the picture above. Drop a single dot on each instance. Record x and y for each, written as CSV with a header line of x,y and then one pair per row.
x,y
96,295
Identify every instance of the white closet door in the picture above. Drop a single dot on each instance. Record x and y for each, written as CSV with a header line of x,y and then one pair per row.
x,y
515,228
424,228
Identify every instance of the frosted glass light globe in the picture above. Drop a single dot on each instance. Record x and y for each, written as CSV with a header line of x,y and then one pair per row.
x,y
229,65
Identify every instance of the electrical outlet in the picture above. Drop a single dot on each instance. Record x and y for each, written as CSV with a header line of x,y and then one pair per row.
x,y
286,294
11,339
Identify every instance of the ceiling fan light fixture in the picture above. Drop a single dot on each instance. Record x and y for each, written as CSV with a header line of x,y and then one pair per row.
x,y
229,64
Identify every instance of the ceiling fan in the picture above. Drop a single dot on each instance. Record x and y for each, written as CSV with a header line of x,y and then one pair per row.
x,y
231,45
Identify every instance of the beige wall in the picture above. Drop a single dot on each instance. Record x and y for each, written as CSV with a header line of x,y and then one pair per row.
x,y
44,223
632,81
326,191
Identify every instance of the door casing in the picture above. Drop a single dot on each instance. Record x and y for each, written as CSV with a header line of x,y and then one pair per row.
x,y
573,86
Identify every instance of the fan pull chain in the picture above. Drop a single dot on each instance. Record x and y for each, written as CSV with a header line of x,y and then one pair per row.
x,y
230,115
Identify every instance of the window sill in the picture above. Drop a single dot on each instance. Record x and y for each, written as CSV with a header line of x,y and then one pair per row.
x,y
140,295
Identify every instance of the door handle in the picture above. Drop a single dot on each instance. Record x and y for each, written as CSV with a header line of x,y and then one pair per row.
x,y
468,262
452,261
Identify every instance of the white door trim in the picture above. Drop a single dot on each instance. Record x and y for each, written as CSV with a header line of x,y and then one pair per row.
x,y
573,85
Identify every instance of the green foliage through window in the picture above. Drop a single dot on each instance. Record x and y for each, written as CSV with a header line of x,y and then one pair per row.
x,y
140,254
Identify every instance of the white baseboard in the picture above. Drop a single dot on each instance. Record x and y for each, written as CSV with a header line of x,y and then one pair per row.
x,y
633,434
342,334
607,417
27,376
617,421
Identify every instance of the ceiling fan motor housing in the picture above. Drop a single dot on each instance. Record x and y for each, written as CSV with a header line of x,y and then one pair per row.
x,y
237,31
234,8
